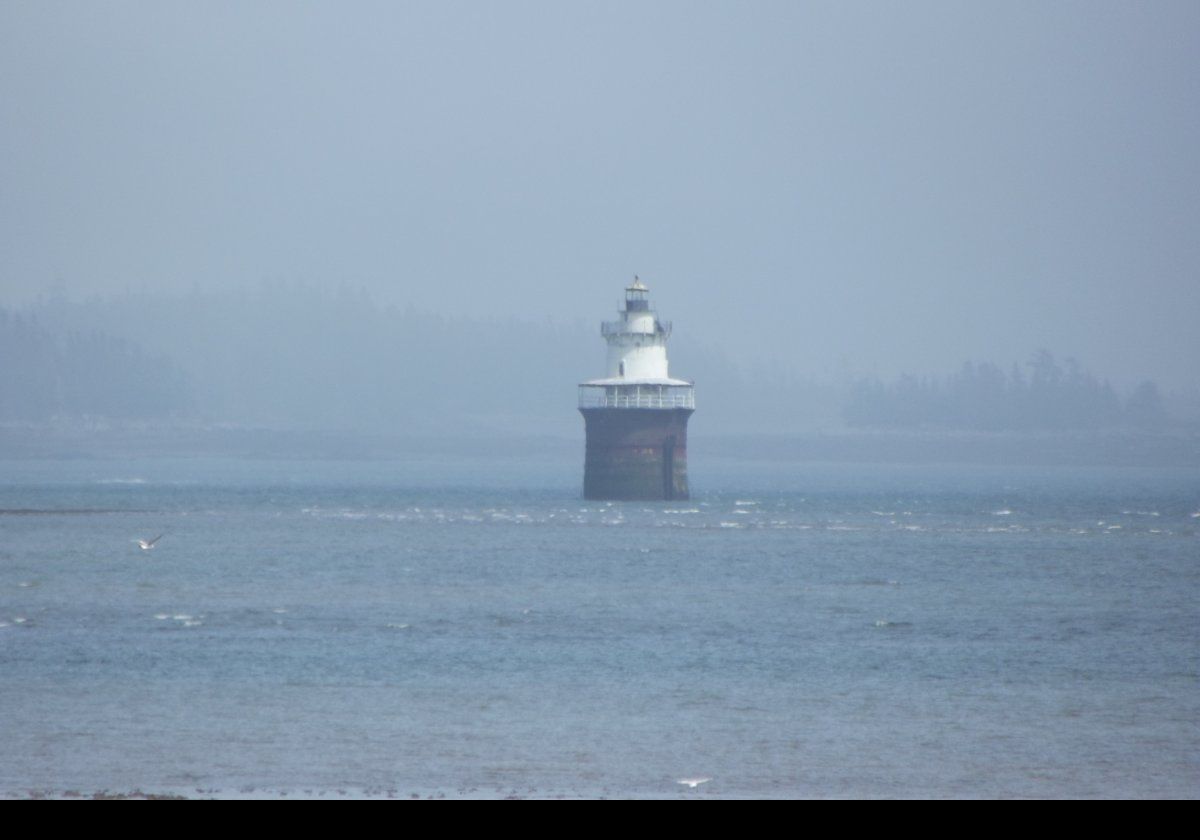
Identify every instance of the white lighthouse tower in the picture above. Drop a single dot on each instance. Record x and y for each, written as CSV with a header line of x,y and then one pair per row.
x,y
636,417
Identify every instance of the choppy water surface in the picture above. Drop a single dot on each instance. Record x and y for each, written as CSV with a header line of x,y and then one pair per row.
x,y
477,628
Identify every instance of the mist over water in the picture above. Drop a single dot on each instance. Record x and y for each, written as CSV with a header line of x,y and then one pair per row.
x,y
826,190
296,357
307,290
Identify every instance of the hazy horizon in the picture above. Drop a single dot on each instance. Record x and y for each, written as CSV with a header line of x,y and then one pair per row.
x,y
295,357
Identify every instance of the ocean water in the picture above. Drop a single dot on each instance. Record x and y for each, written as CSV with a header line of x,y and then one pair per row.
x,y
458,627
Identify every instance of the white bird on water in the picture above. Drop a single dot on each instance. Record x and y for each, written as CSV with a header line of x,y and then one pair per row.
x,y
694,783
146,545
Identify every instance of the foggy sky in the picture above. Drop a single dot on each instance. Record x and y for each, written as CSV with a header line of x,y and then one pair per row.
x,y
835,188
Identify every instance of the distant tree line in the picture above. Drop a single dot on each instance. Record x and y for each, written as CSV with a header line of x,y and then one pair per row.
x,y
1049,396
44,376
294,356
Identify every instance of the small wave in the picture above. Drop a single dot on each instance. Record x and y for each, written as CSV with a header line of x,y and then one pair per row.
x,y
883,623
63,511
682,510
745,503
732,525
1004,512
334,514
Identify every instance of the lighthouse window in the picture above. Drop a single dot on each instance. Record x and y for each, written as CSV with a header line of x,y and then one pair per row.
x,y
622,368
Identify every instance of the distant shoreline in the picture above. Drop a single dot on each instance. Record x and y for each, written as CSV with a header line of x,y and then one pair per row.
x,y
1176,448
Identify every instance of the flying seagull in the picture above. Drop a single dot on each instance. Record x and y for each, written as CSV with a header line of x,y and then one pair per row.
x,y
693,783
146,545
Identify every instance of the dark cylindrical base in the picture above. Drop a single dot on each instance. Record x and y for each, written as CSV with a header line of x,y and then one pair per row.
x,y
635,453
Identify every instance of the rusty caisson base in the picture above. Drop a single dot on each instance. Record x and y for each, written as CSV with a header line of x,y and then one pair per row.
x,y
635,453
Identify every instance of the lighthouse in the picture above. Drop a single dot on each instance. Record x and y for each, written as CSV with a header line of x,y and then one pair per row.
x,y
636,417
